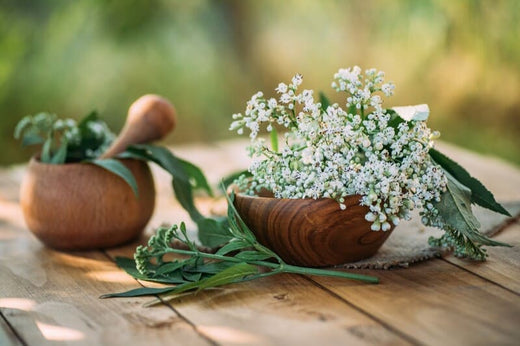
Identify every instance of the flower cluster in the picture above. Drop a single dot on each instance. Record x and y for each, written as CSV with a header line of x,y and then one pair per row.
x,y
332,151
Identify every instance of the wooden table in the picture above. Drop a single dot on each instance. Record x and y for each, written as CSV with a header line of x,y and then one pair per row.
x,y
50,297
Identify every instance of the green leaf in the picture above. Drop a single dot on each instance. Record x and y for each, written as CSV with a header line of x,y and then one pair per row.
x,y
184,194
253,256
230,275
195,174
31,138
119,169
191,276
92,116
274,140
479,194
21,126
169,267
325,102
210,268
234,245
228,180
164,158
235,273
395,119
180,180
61,155
139,292
455,210
128,265
235,221
46,151
212,232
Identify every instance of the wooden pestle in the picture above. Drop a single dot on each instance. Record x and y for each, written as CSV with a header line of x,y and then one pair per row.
x,y
149,118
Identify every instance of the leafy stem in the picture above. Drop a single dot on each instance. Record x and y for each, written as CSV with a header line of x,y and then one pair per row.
x,y
237,261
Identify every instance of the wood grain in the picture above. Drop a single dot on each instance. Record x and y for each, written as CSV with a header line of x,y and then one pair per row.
x,y
432,303
50,297
312,233
280,310
503,264
7,336
436,303
81,206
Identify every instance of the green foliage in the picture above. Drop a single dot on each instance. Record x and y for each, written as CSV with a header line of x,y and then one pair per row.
x,y
119,169
186,178
213,232
235,262
453,212
63,140
461,226
325,102
228,180
479,194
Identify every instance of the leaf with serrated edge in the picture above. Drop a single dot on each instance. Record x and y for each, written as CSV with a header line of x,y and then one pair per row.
x,y
455,210
479,194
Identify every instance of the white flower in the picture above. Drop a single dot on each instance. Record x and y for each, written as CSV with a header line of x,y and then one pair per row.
x,y
282,88
388,89
333,153
297,80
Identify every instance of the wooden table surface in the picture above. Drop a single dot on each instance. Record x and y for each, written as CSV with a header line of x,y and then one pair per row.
x,y
51,298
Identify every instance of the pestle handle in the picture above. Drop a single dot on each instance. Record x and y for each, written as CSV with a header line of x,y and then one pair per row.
x,y
150,117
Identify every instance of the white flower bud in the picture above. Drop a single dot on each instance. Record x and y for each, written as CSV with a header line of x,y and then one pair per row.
x,y
370,217
385,226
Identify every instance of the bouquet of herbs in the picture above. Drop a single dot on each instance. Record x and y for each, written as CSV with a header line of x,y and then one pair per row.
x,y
386,156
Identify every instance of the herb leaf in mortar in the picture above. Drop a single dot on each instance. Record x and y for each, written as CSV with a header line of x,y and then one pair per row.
x,y
66,141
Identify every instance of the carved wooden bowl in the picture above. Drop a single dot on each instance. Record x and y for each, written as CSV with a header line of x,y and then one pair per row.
x,y
308,232
80,206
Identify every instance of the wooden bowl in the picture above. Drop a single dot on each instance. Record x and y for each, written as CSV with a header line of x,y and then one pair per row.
x,y
312,233
81,206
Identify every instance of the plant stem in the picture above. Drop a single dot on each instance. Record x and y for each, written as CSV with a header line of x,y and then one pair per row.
x,y
324,272
284,267
274,140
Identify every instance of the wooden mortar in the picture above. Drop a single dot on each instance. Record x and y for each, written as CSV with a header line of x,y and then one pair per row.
x,y
80,206
312,233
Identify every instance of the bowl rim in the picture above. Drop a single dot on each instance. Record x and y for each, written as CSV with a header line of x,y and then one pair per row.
x,y
240,194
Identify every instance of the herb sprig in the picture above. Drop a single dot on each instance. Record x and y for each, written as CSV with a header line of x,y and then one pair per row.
x,y
243,258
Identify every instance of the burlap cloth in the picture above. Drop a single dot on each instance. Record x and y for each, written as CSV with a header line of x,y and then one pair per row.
x,y
408,243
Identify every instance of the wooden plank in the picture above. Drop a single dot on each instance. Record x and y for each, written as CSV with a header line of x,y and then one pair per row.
x,y
436,303
7,336
50,297
502,265
280,310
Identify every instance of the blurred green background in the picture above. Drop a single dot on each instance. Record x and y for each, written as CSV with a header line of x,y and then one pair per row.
x,y
208,57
